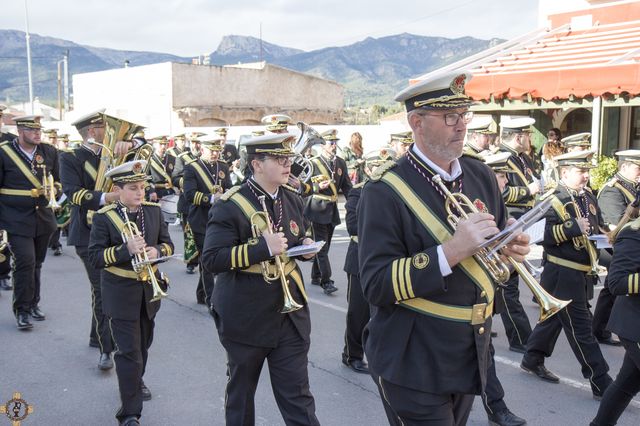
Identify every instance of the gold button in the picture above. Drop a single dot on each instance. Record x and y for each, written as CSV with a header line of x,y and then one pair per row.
x,y
481,330
483,293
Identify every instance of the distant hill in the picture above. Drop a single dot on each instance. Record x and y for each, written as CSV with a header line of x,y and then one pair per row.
x,y
371,70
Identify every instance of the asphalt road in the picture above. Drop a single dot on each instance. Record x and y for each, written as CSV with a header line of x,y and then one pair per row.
x,y
55,370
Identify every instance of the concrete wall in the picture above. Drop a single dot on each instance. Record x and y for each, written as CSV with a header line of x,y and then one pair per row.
x,y
213,95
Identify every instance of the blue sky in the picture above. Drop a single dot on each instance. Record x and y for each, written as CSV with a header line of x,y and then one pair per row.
x,y
192,27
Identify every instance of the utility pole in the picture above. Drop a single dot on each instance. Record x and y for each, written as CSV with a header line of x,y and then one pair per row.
x,y
27,36
60,88
66,82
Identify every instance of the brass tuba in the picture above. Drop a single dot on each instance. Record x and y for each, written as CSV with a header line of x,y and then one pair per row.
x,y
492,263
261,223
115,130
141,264
302,168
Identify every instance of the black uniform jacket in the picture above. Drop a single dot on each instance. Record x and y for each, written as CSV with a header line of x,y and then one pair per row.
x,y
624,282
201,181
614,197
399,262
516,194
20,213
78,170
322,205
245,306
351,265
122,296
161,182
561,227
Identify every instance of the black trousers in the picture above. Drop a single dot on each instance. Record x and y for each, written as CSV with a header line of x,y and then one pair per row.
x,y
100,332
357,319
575,320
623,389
133,340
407,407
207,279
54,241
287,370
321,269
28,255
493,397
515,320
602,312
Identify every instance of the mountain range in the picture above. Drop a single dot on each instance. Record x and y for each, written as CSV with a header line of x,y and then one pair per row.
x,y
371,70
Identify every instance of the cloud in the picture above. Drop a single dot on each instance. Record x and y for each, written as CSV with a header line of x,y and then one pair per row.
x,y
191,27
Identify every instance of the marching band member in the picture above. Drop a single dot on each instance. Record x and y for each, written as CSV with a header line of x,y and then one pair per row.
x,y
623,283
358,312
51,138
205,180
577,142
401,142
570,272
330,175
414,268
126,299
479,135
244,306
25,165
161,183
519,196
613,199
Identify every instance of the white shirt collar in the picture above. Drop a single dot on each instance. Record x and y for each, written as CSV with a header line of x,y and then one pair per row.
x,y
456,170
29,155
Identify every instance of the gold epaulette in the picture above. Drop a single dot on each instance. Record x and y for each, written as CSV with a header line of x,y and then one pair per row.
x,y
473,155
359,184
611,182
229,193
150,203
290,188
107,208
4,143
382,169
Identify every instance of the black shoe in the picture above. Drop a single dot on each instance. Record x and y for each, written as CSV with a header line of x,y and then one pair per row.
x,y
610,341
505,418
357,365
315,281
191,269
57,251
541,371
146,393
22,321
518,348
130,421
329,288
5,284
37,314
105,362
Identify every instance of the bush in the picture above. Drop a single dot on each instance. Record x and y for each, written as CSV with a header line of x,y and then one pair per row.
x,y
607,167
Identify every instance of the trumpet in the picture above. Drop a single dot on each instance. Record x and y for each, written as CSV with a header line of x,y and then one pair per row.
x,y
141,264
4,243
49,188
320,178
259,221
492,263
582,242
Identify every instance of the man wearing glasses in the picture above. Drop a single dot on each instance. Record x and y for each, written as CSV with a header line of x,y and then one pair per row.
x,y
330,176
247,309
428,342
24,164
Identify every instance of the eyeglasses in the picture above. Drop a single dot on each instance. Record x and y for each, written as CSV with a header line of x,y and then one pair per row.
x,y
282,161
330,142
452,118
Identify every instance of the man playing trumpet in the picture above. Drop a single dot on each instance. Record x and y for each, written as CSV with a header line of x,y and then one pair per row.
x,y
127,296
259,320
428,342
